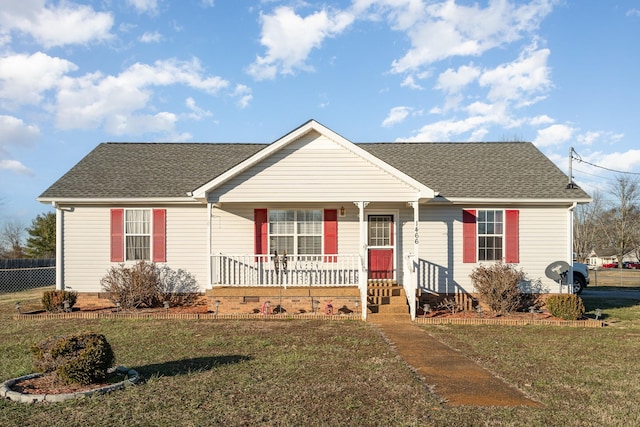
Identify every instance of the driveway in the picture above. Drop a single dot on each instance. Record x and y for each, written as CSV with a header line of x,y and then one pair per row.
x,y
611,293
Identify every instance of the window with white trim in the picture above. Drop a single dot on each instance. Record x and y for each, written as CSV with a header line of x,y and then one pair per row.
x,y
137,231
490,235
296,232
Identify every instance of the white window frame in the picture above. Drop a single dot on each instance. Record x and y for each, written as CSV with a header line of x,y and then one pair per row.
x,y
495,234
138,233
295,233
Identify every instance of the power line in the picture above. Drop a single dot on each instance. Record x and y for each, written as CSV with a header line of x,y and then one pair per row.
x,y
578,158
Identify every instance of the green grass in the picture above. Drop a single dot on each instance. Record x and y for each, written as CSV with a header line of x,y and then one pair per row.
x,y
201,373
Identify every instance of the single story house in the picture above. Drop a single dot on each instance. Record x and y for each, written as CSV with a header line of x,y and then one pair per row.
x,y
313,217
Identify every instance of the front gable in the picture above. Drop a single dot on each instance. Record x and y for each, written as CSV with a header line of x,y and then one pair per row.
x,y
312,164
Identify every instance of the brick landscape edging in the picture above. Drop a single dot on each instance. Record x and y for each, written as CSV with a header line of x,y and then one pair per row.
x,y
589,323
182,316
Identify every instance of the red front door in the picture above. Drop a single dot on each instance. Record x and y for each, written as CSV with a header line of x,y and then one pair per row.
x,y
380,241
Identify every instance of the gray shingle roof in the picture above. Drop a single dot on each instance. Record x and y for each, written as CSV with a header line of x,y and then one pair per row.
x,y
510,170
135,170
456,170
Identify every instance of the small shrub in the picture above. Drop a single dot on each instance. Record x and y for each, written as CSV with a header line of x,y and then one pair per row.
x,y
133,287
179,287
497,286
54,300
81,358
566,306
146,285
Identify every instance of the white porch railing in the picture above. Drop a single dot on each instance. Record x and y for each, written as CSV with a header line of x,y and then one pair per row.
x,y
289,270
410,282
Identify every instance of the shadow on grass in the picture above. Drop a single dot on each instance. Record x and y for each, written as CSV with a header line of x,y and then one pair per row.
x,y
186,366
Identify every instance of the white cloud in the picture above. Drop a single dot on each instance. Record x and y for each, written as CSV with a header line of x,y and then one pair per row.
x,y
553,135
445,130
447,29
15,166
151,37
144,6
528,74
56,25
410,82
24,78
289,39
244,95
197,113
14,132
138,124
396,115
598,137
453,81
633,12
541,120
626,161
89,101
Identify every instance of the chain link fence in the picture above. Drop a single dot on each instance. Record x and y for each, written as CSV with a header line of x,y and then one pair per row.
x,y
20,275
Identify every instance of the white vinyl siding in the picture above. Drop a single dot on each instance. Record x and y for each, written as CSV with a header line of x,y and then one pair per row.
x,y
313,169
542,240
87,251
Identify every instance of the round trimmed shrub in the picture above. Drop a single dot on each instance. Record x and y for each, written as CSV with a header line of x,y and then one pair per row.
x,y
79,358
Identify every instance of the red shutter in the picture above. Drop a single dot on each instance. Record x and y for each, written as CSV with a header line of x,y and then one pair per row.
x,y
469,236
117,235
159,235
261,231
330,234
512,238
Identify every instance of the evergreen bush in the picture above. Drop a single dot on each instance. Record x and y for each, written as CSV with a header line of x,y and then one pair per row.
x,y
53,301
565,306
79,358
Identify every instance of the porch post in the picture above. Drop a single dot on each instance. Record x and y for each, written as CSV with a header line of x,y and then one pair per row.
x,y
362,268
416,259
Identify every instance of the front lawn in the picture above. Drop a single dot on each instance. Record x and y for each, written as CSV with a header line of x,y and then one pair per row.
x,y
330,373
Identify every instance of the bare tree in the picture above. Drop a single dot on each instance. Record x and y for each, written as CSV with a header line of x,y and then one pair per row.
x,y
621,221
11,238
587,227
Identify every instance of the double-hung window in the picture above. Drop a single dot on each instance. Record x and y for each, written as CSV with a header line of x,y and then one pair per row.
x,y
296,232
490,235
137,229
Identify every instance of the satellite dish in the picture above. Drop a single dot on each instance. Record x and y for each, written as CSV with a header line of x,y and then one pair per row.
x,y
557,271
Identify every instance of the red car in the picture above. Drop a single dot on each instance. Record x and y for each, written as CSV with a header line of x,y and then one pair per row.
x,y
632,265
610,265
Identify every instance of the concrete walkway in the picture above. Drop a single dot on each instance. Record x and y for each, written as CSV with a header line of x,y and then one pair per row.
x,y
452,376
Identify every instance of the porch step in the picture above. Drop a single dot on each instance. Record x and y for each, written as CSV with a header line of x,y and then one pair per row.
x,y
386,297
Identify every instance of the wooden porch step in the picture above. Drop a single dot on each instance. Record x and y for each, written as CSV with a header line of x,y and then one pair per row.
x,y
386,297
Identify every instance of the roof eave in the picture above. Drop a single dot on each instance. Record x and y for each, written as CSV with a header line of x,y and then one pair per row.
x,y
75,201
507,201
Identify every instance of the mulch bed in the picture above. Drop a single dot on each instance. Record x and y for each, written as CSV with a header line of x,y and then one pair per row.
x,y
51,384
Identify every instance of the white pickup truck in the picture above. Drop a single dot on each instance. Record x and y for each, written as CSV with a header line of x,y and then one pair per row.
x,y
580,277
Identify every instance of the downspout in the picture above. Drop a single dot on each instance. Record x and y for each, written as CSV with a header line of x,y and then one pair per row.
x,y
570,247
59,247
209,230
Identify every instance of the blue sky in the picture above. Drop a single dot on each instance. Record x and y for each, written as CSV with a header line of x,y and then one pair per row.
x,y
559,73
